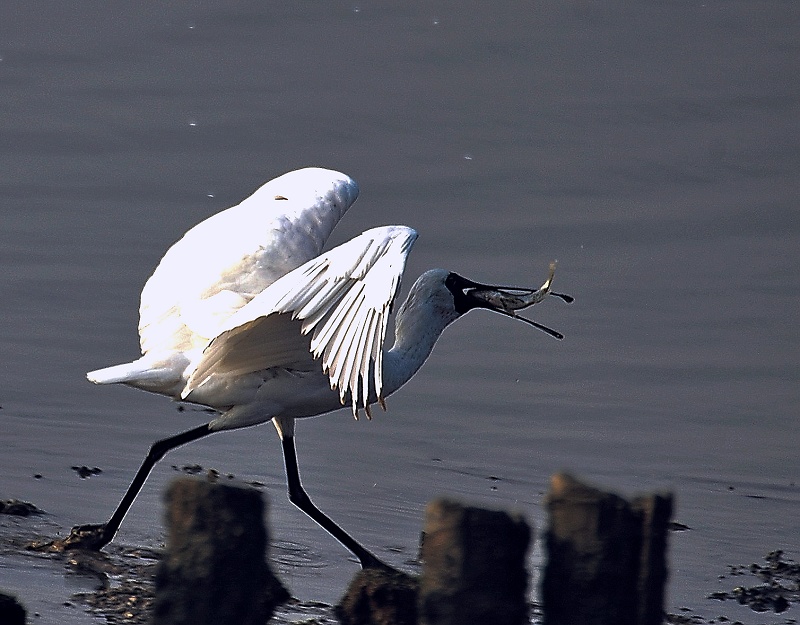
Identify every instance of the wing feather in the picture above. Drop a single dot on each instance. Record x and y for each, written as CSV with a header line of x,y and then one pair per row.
x,y
225,261
275,340
334,308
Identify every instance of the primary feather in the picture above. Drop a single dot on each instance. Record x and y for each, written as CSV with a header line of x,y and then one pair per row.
x,y
343,298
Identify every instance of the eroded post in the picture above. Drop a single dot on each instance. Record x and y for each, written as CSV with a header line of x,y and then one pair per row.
x,y
606,557
474,566
215,569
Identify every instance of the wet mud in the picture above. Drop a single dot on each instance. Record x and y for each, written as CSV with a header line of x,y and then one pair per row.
x,y
125,587
125,591
124,584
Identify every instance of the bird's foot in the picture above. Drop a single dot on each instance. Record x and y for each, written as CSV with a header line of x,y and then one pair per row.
x,y
91,537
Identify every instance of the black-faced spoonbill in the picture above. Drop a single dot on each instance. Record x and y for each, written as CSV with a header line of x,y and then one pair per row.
x,y
246,315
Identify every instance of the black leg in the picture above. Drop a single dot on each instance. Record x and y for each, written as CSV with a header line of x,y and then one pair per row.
x,y
300,498
97,536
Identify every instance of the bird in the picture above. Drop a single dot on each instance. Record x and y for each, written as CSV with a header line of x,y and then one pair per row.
x,y
247,315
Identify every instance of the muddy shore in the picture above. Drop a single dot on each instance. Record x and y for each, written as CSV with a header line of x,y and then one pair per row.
x,y
123,580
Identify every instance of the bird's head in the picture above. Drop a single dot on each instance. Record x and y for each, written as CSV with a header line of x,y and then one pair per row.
x,y
468,294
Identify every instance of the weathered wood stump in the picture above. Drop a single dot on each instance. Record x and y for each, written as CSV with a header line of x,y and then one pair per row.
x,y
474,566
11,610
606,559
379,597
215,569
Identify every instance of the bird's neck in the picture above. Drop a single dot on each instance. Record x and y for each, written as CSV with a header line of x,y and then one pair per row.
x,y
418,326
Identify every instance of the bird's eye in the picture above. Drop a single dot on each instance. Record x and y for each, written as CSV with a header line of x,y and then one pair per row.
x,y
280,197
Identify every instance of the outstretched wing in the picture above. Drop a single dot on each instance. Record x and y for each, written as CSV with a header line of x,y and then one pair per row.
x,y
341,300
225,261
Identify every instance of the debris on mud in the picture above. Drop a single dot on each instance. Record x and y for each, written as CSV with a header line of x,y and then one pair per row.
x,y
211,474
18,508
780,585
129,603
778,591
83,471
126,590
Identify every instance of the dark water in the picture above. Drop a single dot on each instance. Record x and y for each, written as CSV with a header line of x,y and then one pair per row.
x,y
652,148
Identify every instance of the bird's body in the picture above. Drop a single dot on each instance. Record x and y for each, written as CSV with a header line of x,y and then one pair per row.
x,y
246,314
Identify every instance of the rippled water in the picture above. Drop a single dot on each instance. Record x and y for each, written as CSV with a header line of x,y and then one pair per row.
x,y
650,148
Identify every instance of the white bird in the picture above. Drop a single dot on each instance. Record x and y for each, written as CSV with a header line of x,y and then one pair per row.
x,y
246,315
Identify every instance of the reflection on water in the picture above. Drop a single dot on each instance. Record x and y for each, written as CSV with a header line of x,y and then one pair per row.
x,y
649,149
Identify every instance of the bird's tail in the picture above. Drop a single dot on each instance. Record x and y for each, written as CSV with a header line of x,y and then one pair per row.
x,y
120,374
158,377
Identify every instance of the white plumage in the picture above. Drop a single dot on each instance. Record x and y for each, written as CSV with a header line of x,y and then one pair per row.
x,y
342,298
246,314
220,265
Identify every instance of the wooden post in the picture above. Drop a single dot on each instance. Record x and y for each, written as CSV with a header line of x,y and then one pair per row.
x,y
606,559
474,566
379,597
214,570
11,611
